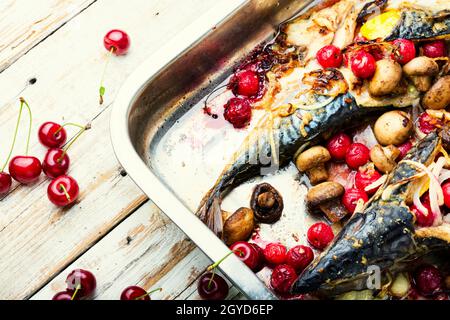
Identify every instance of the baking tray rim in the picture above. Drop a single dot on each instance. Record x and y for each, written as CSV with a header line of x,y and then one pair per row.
x,y
235,270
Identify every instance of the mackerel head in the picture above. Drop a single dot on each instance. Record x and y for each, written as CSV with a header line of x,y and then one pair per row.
x,y
380,237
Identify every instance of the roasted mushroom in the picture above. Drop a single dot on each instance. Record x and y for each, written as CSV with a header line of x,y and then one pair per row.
x,y
386,78
312,161
422,83
238,226
393,127
421,66
438,97
327,197
266,203
384,157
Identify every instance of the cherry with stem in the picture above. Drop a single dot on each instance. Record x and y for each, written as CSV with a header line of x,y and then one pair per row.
x,y
56,161
117,42
25,169
212,286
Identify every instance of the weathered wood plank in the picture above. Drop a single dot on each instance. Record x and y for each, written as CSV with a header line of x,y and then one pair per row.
x,y
40,240
140,251
23,24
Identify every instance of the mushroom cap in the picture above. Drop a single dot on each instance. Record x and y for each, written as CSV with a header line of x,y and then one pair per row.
x,y
239,226
312,157
421,66
324,192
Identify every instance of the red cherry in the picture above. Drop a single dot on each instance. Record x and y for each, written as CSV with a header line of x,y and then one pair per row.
x,y
423,219
260,253
56,163
435,49
52,135
25,169
365,177
275,253
5,183
329,57
212,287
404,51
247,254
404,149
134,293
64,295
118,41
351,197
338,146
428,279
245,83
63,191
363,64
446,191
299,257
320,235
238,112
283,277
428,123
81,281
357,155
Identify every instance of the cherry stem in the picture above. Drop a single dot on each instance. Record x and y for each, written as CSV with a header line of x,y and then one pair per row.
x,y
102,88
148,294
212,277
71,141
215,265
214,91
15,136
75,292
22,100
68,124
63,188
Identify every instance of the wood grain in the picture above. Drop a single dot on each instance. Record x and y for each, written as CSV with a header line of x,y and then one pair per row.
x,y
23,24
39,240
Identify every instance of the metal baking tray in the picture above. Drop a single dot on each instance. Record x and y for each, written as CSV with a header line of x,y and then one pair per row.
x,y
173,151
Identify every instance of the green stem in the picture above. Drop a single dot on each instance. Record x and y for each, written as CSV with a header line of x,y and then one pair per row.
x,y
68,124
22,100
102,88
148,294
215,265
72,141
65,191
76,291
14,139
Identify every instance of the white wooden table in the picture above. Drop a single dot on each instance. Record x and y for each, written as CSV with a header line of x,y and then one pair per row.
x,y
113,230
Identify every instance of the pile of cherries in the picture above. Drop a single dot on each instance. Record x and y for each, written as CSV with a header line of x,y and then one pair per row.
x,y
25,169
362,61
247,84
82,284
356,156
286,264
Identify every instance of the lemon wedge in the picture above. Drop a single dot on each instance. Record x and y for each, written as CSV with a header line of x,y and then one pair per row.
x,y
381,26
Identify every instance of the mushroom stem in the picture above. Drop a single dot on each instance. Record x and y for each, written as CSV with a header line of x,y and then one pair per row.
x,y
334,210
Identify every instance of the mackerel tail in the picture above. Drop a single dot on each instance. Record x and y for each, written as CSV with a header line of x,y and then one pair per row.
x,y
289,134
382,236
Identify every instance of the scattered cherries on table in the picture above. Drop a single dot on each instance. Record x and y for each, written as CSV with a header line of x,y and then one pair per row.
x,y
80,284
137,293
